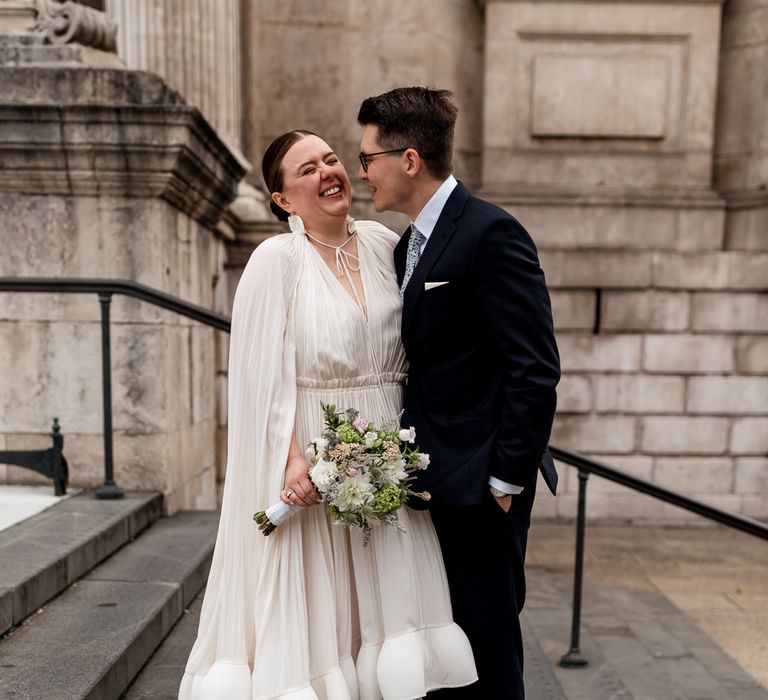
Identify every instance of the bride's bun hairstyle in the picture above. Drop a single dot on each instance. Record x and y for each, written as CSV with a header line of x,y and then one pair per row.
x,y
272,166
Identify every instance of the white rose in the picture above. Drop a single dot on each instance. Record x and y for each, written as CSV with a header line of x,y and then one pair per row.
x,y
423,460
370,439
323,474
408,435
321,444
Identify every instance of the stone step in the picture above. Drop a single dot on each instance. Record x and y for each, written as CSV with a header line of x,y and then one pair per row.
x,y
91,641
44,554
161,677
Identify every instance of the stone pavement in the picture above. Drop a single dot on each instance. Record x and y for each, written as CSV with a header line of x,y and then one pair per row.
x,y
674,604
669,614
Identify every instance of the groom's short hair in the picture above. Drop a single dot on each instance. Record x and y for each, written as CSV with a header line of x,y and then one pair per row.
x,y
418,118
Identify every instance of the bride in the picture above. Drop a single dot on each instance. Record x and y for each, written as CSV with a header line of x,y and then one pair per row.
x,y
309,613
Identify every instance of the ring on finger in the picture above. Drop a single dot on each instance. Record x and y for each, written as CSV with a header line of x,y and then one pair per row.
x,y
289,493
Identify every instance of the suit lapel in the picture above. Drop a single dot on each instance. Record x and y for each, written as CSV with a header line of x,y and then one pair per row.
x,y
400,253
441,236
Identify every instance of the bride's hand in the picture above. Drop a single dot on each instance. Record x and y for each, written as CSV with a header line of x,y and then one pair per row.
x,y
298,489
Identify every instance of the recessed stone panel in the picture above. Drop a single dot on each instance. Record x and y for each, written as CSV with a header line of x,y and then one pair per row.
x,y
600,96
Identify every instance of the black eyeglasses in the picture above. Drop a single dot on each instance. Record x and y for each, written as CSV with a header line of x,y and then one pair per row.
x,y
366,157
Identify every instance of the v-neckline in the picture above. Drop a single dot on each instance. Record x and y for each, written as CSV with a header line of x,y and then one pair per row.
x,y
337,282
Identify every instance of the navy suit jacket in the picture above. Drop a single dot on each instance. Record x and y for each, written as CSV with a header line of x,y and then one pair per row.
x,y
483,362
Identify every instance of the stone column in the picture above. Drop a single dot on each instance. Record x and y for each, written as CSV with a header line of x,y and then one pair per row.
x,y
741,154
104,172
195,46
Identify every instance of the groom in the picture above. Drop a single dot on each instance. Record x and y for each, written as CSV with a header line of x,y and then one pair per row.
x,y
477,329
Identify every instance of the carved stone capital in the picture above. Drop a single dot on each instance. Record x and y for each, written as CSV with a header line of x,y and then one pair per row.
x,y
70,22
80,132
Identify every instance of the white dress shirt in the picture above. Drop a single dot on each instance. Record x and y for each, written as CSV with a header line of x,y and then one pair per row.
x,y
425,222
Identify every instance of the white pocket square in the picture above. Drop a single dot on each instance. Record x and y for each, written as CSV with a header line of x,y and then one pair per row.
x,y
432,285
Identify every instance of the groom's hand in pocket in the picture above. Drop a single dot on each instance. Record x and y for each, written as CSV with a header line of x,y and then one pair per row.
x,y
505,502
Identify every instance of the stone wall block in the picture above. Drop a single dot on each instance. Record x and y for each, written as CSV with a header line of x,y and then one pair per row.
x,y
749,436
597,435
573,310
596,268
202,374
601,353
688,354
680,435
614,226
574,394
752,355
645,311
731,395
141,403
752,475
624,506
746,229
544,508
695,475
724,501
754,506
640,466
639,394
193,454
716,270
50,369
700,229
720,311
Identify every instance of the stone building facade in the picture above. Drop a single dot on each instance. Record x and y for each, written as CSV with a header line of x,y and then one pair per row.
x,y
628,137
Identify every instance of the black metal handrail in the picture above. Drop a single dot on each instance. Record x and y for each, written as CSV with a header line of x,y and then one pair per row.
x,y
76,285
105,288
586,466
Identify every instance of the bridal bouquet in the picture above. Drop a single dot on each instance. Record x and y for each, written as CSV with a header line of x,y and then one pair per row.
x,y
362,473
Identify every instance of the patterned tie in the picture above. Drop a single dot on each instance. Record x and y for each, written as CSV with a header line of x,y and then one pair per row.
x,y
412,256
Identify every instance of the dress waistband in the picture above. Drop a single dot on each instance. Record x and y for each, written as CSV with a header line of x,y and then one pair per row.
x,y
394,380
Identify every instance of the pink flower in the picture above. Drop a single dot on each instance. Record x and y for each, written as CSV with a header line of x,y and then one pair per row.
x,y
361,425
351,471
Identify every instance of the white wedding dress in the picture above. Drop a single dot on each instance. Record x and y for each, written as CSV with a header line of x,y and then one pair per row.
x,y
308,613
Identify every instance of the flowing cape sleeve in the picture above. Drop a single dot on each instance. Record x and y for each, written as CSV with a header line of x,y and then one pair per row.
x,y
262,406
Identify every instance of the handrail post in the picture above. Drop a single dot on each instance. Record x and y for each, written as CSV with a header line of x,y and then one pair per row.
x,y
110,490
58,468
574,659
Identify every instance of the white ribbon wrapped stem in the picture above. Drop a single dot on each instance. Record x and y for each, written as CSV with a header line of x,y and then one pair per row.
x,y
279,512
